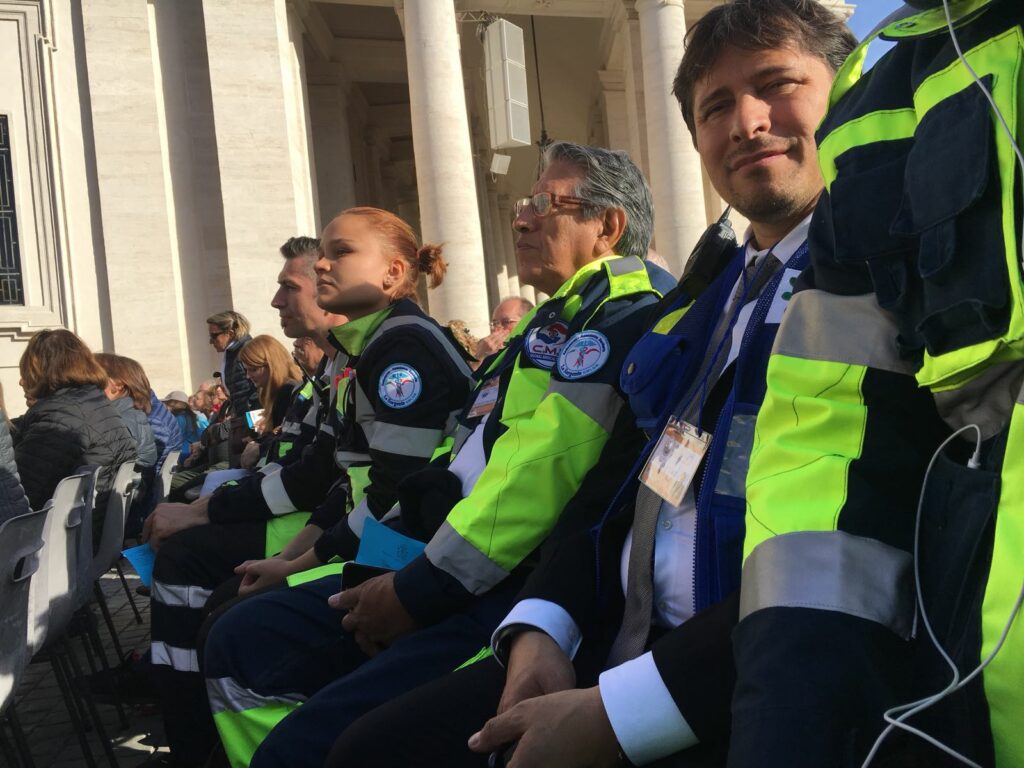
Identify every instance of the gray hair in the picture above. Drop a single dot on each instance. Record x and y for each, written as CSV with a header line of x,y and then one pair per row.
x,y
610,180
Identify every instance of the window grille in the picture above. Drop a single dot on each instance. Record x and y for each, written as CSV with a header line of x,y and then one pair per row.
x,y
12,290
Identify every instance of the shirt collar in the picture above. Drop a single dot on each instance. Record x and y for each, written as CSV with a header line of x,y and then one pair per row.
x,y
351,337
783,249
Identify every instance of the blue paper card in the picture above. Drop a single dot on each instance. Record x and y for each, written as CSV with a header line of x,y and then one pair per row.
x,y
141,558
385,548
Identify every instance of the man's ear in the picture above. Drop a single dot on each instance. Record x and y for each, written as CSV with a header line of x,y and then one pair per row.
x,y
613,224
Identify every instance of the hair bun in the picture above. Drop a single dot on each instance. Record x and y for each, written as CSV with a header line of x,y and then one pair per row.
x,y
430,263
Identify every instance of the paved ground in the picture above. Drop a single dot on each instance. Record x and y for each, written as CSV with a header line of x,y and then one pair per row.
x,y
45,719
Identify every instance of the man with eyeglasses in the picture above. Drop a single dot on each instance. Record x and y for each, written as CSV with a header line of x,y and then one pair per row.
x,y
544,410
505,317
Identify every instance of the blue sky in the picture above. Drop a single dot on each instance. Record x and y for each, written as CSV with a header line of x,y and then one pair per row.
x,y
864,19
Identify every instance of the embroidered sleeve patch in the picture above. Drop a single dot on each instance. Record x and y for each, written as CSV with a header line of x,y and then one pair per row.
x,y
400,385
583,355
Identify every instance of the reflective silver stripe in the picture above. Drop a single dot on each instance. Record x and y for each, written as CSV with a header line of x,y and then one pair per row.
x,y
327,429
625,265
450,552
598,401
180,595
357,517
228,696
392,514
432,329
405,441
365,407
831,571
180,659
841,329
291,428
269,469
348,458
275,495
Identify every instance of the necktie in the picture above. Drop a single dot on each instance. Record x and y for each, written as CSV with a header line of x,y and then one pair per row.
x,y
636,618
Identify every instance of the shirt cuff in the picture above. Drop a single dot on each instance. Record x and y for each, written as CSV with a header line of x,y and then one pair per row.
x,y
548,617
646,720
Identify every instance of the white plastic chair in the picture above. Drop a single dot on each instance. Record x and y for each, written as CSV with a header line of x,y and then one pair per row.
x,y
21,540
163,479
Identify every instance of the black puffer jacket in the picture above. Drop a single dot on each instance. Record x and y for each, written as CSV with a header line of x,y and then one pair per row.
x,y
242,392
13,501
73,427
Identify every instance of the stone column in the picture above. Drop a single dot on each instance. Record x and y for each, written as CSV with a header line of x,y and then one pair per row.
x,y
135,196
633,89
444,160
508,248
498,242
332,146
675,171
258,88
613,105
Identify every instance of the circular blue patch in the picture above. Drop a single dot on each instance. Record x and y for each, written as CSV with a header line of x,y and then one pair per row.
x,y
584,354
545,342
400,385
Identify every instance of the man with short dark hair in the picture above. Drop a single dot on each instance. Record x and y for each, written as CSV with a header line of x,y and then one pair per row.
x,y
201,543
622,586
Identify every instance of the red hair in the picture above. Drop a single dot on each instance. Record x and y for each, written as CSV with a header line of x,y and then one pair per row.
x,y
420,260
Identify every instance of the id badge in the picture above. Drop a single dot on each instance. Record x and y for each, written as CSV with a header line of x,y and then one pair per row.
x,y
673,463
485,399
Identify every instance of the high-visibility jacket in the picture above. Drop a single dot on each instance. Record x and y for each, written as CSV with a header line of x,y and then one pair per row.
x,y
558,402
401,383
911,322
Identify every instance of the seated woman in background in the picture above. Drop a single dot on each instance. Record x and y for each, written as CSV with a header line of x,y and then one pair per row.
x,y
69,423
274,373
128,389
192,423
13,501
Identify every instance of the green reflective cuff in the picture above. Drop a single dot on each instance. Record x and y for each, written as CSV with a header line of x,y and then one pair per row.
x,y
484,653
243,732
333,568
281,530
359,478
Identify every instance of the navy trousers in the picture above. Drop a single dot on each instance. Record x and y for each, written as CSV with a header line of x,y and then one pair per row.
x,y
289,643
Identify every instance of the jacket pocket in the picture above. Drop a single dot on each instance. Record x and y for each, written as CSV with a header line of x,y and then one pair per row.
x,y
951,202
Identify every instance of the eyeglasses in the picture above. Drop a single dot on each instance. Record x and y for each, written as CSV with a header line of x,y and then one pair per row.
x,y
505,322
218,334
543,203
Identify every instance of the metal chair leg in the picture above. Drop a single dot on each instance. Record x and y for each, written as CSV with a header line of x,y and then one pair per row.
x,y
90,703
72,704
108,619
20,742
97,650
128,592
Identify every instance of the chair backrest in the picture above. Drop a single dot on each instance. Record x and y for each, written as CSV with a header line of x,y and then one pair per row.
x,y
21,542
164,478
111,540
66,534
